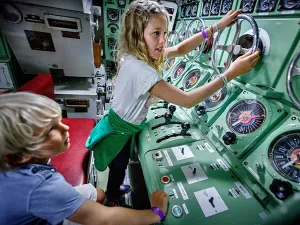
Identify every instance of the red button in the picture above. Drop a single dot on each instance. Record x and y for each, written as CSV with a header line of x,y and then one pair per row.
x,y
165,179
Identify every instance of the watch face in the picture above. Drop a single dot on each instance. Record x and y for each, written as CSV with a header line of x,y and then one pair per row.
x,y
10,12
247,6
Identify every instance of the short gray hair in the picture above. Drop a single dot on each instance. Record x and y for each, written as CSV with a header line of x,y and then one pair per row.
x,y
20,114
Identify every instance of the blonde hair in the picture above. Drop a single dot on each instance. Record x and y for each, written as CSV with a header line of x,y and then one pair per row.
x,y
131,36
20,114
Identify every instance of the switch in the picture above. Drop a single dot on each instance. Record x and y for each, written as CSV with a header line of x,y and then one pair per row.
x,y
176,211
165,179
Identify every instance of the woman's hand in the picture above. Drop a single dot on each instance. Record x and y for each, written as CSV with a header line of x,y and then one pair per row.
x,y
242,64
227,20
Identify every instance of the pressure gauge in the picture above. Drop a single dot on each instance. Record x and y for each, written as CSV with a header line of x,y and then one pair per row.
x,y
215,7
284,155
121,3
206,7
10,12
266,5
247,6
226,6
194,10
289,5
112,14
188,11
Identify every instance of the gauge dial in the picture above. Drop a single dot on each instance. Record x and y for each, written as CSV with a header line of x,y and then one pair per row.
x,y
284,155
246,116
206,8
194,10
182,12
247,6
191,79
226,6
179,69
215,7
266,5
188,11
170,63
10,12
112,14
289,5
215,99
121,3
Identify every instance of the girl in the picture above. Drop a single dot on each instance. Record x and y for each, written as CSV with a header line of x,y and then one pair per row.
x,y
141,56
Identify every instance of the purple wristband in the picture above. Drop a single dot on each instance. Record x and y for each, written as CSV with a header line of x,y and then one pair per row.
x,y
158,212
204,34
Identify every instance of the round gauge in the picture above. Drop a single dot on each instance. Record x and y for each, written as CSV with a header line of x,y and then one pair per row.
x,y
215,99
170,63
246,116
194,10
226,6
284,155
188,11
121,3
248,6
113,14
266,5
191,79
179,69
10,13
215,7
182,11
290,4
206,8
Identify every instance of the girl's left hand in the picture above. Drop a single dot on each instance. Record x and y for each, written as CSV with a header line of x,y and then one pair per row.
x,y
227,20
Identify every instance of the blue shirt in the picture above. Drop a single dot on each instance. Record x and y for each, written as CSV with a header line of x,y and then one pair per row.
x,y
36,194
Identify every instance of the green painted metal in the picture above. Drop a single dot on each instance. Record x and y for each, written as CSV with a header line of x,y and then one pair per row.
x,y
241,209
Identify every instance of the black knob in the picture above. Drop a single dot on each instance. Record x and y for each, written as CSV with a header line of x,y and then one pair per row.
x,y
168,79
168,117
185,126
172,109
229,138
182,88
166,104
281,189
201,110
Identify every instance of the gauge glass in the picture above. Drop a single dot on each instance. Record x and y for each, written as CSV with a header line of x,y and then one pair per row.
x,y
215,99
170,63
226,6
248,6
182,11
284,155
191,79
194,10
266,5
179,69
188,11
113,14
289,5
10,12
121,2
246,116
206,8
215,7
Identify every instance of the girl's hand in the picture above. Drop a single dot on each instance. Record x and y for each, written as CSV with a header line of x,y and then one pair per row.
x,y
243,64
227,20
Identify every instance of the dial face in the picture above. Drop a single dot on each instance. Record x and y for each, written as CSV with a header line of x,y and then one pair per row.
x,y
191,79
188,11
284,155
10,12
215,7
246,116
194,10
247,6
206,8
182,11
266,5
215,99
170,63
121,3
179,69
226,6
289,5
112,14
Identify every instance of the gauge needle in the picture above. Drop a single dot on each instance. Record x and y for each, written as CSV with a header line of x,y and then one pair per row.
x,y
289,163
236,123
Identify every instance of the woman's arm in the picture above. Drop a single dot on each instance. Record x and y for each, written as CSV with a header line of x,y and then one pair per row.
x,y
194,41
172,94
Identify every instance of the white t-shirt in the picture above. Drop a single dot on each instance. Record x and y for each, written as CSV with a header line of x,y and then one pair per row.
x,y
131,97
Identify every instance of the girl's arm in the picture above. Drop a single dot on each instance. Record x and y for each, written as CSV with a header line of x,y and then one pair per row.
x,y
194,41
174,95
